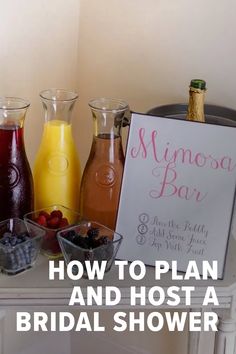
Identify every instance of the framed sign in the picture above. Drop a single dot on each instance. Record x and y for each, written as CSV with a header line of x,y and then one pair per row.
x,y
178,191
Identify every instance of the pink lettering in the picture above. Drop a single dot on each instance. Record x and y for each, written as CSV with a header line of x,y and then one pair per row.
x,y
185,156
147,145
169,187
199,197
143,146
214,163
200,159
185,192
167,183
226,164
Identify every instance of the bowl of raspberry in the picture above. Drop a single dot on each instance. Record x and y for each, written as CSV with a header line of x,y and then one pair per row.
x,y
19,245
52,220
89,241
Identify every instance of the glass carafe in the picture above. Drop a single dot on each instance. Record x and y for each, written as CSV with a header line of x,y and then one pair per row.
x,y
101,181
57,168
16,182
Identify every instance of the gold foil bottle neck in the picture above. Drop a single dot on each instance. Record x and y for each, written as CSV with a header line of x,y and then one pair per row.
x,y
196,103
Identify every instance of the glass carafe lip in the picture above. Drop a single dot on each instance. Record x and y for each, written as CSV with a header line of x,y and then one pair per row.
x,y
109,105
58,95
11,103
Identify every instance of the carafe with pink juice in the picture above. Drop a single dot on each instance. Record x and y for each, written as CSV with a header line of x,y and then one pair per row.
x,y
16,182
57,168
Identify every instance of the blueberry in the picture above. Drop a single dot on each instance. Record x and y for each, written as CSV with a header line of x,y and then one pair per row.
x,y
18,250
12,258
12,263
27,258
13,241
7,234
14,234
32,253
22,256
18,258
5,241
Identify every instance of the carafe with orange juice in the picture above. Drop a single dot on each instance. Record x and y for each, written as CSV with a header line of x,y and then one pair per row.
x,y
57,169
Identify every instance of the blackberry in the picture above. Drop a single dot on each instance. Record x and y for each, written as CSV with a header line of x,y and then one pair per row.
x,y
71,235
96,243
104,240
93,232
83,242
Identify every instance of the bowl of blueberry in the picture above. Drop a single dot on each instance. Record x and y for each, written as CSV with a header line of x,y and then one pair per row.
x,y
89,241
19,245
51,220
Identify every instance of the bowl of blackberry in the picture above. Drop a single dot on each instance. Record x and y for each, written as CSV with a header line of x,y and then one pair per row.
x,y
89,241
51,220
19,245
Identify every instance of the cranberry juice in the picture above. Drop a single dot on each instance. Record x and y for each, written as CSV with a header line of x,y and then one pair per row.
x,y
16,183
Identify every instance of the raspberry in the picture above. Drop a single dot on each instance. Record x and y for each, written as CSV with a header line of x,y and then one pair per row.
x,y
41,220
50,235
44,213
56,213
53,223
64,222
54,247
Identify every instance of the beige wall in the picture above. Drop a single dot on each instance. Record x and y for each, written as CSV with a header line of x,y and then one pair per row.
x,y
145,52
38,49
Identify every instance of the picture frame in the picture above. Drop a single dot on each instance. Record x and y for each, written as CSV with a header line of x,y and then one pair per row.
x,y
178,191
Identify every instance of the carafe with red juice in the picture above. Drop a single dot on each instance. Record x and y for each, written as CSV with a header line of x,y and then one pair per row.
x,y
16,182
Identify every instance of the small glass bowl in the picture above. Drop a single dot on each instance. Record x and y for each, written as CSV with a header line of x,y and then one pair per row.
x,y
50,246
76,243
16,257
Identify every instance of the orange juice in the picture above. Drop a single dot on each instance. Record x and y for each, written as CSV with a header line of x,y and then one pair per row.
x,y
57,169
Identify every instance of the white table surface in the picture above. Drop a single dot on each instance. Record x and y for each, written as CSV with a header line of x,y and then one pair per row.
x,y
33,287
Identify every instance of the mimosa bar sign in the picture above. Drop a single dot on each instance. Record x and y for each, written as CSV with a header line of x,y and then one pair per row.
x,y
178,191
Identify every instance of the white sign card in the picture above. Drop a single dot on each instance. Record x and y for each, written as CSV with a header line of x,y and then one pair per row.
x,y
177,192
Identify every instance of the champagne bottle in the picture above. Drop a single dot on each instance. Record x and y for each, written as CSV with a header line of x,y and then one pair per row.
x,y
197,90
